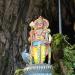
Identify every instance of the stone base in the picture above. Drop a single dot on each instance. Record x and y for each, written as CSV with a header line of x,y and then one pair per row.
x,y
39,69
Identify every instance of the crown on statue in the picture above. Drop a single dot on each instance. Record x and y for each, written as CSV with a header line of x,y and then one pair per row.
x,y
38,22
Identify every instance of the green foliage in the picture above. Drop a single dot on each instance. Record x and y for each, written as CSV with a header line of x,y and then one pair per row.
x,y
59,44
69,58
19,72
55,69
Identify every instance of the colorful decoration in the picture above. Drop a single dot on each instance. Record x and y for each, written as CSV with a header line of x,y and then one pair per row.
x,y
40,40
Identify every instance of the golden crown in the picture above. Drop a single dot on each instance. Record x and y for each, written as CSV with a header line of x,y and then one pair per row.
x,y
39,20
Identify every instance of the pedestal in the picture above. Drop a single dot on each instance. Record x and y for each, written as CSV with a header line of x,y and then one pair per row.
x,y
39,69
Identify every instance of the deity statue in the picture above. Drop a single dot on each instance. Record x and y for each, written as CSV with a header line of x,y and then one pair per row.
x,y
40,40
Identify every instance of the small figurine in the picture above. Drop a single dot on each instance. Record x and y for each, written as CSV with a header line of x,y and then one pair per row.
x,y
25,55
40,40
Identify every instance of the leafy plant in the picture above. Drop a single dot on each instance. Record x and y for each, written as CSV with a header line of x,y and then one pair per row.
x,y
62,50
19,72
69,58
58,44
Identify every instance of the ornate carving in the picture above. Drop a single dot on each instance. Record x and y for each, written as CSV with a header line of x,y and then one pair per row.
x,y
40,40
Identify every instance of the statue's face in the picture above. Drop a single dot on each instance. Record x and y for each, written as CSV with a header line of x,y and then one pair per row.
x,y
40,25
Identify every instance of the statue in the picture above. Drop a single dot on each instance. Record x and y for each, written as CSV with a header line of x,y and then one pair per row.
x,y
40,40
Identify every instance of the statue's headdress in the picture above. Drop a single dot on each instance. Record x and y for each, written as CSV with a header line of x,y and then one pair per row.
x,y
41,20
